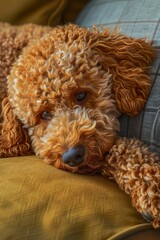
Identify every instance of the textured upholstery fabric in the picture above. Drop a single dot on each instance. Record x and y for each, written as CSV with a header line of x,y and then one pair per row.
x,y
39,202
136,18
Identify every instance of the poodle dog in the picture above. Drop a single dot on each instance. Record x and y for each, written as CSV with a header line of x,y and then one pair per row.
x,y
63,90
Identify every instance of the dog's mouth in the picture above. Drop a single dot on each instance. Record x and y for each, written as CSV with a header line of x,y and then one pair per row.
x,y
81,160
77,159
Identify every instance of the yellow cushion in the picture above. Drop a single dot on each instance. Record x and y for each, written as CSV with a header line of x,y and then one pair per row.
x,y
45,12
33,11
40,202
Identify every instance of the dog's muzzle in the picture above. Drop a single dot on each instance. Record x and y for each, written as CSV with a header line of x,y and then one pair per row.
x,y
74,156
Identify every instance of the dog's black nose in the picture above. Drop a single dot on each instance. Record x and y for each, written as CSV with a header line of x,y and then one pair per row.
x,y
74,156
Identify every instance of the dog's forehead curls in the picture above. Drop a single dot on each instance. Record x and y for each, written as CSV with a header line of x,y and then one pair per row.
x,y
52,66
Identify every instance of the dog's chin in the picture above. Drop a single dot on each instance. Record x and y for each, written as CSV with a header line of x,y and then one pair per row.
x,y
83,168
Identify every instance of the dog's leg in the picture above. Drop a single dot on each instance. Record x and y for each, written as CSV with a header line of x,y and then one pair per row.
x,y
137,171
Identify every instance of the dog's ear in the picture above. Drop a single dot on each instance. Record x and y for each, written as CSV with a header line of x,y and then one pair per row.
x,y
14,140
128,60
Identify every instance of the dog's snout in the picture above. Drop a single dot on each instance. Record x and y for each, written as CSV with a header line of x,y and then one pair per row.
x,y
74,156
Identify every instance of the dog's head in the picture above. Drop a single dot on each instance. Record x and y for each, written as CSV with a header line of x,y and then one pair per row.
x,y
69,88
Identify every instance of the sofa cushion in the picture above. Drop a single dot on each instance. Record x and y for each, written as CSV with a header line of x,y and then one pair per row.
x,y
45,12
140,19
38,201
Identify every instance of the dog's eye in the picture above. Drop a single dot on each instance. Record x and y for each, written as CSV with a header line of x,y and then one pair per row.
x,y
81,96
46,116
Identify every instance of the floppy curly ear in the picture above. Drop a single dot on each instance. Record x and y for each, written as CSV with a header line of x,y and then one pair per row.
x,y
128,60
14,140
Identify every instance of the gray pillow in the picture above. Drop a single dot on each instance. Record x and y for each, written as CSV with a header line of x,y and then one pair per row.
x,y
136,18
